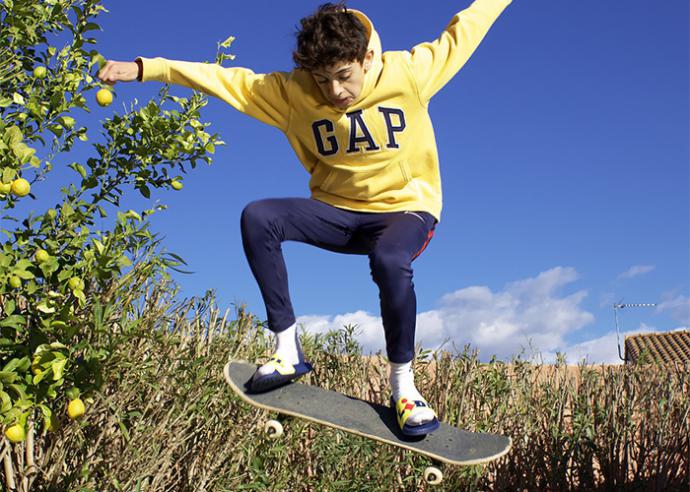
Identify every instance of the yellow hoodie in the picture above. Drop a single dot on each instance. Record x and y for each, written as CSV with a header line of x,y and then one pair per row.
x,y
377,155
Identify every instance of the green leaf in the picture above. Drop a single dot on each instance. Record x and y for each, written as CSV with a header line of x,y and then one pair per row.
x,y
11,365
39,377
22,151
24,275
124,261
47,416
23,264
24,364
56,129
80,295
227,42
67,121
79,168
8,377
97,58
91,26
15,321
8,174
19,390
6,402
58,325
99,246
58,368
13,135
44,308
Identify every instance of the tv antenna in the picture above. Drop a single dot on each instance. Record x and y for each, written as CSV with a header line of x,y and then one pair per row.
x,y
618,306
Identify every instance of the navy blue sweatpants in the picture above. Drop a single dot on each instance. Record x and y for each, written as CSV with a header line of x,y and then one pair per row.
x,y
392,240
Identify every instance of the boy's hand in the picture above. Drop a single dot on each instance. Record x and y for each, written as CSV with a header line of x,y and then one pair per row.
x,y
115,71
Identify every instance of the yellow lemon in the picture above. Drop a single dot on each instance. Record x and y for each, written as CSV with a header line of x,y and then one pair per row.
x,y
5,188
15,433
40,72
75,283
20,187
104,97
42,255
76,408
177,185
15,282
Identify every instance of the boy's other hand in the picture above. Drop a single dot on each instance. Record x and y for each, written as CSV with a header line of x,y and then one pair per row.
x,y
114,71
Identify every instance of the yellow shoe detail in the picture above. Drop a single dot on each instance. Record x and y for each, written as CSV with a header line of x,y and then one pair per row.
x,y
404,408
283,368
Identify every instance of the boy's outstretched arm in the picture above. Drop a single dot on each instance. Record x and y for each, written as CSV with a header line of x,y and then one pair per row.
x,y
263,96
436,62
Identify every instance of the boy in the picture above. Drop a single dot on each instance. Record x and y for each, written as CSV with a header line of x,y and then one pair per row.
x,y
358,121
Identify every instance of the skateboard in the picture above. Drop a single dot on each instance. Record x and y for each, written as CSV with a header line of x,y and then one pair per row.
x,y
448,444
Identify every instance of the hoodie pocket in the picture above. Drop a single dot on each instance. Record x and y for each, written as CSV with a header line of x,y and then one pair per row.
x,y
387,183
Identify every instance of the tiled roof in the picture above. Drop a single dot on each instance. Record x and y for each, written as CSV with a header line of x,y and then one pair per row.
x,y
661,347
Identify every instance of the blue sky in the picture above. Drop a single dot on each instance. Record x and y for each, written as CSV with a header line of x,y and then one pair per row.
x,y
564,148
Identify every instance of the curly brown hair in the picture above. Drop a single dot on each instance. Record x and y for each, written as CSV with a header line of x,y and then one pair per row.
x,y
331,35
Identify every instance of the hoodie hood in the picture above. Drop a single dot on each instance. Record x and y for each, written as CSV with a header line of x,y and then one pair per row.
x,y
374,44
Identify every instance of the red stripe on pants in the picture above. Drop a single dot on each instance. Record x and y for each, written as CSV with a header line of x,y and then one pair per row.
x,y
426,243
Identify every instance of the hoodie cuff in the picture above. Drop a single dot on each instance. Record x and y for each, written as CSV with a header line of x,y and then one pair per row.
x,y
153,69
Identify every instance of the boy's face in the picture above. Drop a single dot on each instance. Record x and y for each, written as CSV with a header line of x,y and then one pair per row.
x,y
342,83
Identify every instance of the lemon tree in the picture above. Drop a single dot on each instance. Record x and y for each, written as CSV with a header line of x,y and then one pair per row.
x,y
67,288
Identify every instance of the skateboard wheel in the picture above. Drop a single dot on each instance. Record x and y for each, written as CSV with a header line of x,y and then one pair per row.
x,y
274,429
433,475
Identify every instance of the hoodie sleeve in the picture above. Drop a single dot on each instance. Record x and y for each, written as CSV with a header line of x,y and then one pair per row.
x,y
435,63
262,96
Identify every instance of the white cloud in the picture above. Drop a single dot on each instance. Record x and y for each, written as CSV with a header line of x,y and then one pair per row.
x,y
636,271
530,312
601,350
369,327
607,299
676,306
527,313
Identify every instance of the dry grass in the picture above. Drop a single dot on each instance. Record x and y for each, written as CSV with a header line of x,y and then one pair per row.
x,y
165,420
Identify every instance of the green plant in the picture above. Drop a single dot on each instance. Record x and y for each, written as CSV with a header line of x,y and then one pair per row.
x,y
66,287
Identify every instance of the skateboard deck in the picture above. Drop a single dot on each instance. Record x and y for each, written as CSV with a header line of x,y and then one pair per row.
x,y
448,444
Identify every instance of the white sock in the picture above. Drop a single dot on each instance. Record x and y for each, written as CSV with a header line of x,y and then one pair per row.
x,y
402,383
287,349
